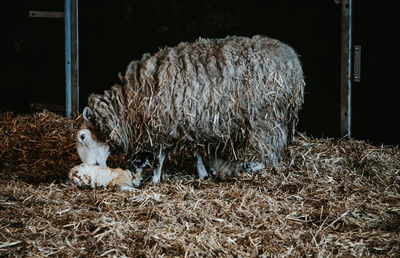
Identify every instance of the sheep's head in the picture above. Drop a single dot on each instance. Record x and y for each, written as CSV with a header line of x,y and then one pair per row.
x,y
91,149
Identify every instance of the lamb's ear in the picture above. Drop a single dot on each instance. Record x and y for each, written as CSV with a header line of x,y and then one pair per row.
x,y
88,115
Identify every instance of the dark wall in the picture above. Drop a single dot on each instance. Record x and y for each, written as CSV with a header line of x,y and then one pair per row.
x,y
32,55
112,33
376,101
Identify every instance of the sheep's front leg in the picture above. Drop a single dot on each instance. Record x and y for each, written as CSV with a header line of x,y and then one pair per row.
x,y
201,170
157,172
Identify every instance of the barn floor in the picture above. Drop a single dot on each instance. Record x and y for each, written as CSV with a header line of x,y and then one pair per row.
x,y
332,197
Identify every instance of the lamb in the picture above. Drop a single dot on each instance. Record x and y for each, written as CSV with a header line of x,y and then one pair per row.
x,y
95,176
234,99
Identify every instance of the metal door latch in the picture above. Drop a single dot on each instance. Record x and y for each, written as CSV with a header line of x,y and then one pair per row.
x,y
357,64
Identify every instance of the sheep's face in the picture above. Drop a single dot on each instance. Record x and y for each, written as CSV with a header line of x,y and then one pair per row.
x,y
91,149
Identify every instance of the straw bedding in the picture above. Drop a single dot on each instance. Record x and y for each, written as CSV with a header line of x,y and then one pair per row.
x,y
331,197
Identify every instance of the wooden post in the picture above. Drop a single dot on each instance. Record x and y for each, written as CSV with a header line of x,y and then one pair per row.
x,y
71,57
345,89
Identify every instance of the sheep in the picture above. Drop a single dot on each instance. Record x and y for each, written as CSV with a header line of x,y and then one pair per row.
x,y
234,99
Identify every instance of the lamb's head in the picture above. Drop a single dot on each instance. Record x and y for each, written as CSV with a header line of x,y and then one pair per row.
x,y
91,149
140,161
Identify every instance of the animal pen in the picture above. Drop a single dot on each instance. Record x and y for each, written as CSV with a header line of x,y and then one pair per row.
x,y
328,197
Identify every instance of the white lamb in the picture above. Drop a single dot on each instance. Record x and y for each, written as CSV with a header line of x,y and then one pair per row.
x,y
94,176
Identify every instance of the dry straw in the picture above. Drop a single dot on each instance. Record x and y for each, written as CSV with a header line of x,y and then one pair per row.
x,y
330,198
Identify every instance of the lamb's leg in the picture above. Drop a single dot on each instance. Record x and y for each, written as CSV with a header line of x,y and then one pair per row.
x,y
157,172
201,170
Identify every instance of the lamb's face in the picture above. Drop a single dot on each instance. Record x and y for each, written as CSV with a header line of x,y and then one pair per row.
x,y
91,150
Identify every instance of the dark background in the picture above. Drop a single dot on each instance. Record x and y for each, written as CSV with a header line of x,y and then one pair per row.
x,y
112,33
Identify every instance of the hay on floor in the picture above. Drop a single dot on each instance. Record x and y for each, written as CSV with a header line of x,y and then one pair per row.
x,y
332,197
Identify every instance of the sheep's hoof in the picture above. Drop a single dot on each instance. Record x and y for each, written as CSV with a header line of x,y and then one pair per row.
x,y
201,170
156,178
202,177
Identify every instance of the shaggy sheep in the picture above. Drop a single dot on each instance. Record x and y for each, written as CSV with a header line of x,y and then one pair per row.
x,y
233,99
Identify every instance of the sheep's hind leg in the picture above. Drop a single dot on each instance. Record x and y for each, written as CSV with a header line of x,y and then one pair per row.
x,y
157,172
201,170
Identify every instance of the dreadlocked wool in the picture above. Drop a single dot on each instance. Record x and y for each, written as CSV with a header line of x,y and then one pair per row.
x,y
237,98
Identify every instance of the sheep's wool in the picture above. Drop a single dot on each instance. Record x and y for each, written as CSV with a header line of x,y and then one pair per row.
x,y
235,98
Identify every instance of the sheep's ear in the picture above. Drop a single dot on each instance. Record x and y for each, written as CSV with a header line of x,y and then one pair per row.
x,y
88,115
